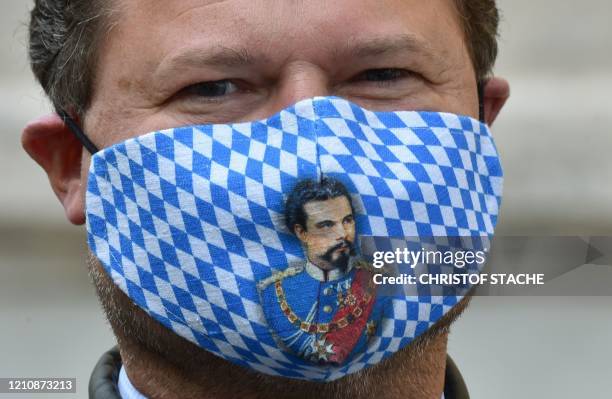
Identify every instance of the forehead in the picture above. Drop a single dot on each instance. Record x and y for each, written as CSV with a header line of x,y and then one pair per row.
x,y
157,48
304,29
332,209
301,17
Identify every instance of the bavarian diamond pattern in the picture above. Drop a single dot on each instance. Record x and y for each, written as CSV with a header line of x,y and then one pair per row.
x,y
186,221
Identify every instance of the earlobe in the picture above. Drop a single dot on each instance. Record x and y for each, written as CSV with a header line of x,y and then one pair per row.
x,y
496,93
53,146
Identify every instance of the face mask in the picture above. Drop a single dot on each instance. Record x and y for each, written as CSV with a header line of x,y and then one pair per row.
x,y
244,238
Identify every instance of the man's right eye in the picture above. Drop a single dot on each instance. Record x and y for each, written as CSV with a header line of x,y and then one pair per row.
x,y
212,89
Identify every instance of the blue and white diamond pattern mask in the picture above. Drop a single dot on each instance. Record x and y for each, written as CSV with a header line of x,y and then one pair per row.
x,y
191,223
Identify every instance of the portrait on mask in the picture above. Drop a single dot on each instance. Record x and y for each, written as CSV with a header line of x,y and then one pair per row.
x,y
325,307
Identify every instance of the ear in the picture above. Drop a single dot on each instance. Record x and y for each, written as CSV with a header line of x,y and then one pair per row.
x,y
53,146
300,232
496,93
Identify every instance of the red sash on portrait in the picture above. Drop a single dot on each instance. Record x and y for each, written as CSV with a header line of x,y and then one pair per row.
x,y
354,315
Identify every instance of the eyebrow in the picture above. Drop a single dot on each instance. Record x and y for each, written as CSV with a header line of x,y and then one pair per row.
x,y
389,45
222,57
216,56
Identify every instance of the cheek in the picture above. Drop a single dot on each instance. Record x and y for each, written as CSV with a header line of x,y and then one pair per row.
x,y
85,162
460,94
316,241
319,242
349,228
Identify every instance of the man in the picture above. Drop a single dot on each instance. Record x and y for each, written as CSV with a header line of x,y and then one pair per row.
x,y
122,68
325,308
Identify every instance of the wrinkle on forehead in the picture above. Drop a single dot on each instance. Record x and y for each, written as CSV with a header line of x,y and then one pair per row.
x,y
165,10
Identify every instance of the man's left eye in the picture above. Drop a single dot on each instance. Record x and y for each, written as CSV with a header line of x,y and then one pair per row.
x,y
216,88
383,75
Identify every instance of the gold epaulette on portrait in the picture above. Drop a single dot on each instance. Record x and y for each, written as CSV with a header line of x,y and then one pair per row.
x,y
279,276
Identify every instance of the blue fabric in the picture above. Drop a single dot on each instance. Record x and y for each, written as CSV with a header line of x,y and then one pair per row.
x,y
188,222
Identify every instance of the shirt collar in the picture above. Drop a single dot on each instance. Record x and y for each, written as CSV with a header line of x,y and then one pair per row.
x,y
126,389
332,275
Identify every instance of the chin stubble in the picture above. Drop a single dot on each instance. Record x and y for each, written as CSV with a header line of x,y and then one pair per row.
x,y
136,331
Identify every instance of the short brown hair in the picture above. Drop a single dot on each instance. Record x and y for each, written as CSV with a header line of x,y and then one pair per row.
x,y
480,20
64,37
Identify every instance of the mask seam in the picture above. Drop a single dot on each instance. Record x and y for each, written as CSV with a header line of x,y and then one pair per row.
x,y
315,106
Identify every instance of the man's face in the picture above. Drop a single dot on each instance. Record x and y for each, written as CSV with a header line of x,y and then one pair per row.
x,y
166,64
330,232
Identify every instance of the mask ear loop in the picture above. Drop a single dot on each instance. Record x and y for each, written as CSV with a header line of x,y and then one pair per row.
x,y
481,108
78,133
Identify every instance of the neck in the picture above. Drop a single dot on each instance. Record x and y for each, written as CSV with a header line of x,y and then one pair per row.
x,y
189,372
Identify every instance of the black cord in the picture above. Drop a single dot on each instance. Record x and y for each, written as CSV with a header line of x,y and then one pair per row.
x,y
481,108
79,134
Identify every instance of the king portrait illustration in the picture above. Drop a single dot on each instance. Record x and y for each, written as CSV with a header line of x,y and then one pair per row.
x,y
325,308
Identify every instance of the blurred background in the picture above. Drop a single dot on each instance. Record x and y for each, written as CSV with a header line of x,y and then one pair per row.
x,y
555,140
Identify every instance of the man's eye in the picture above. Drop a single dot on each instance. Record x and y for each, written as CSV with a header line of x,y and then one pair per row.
x,y
217,88
383,75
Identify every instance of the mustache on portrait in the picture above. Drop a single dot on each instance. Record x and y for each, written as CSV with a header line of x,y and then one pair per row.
x,y
343,243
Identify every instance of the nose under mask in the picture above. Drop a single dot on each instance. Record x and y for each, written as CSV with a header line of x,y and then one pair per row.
x,y
246,239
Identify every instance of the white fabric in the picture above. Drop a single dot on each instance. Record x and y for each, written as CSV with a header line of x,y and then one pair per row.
x,y
126,389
